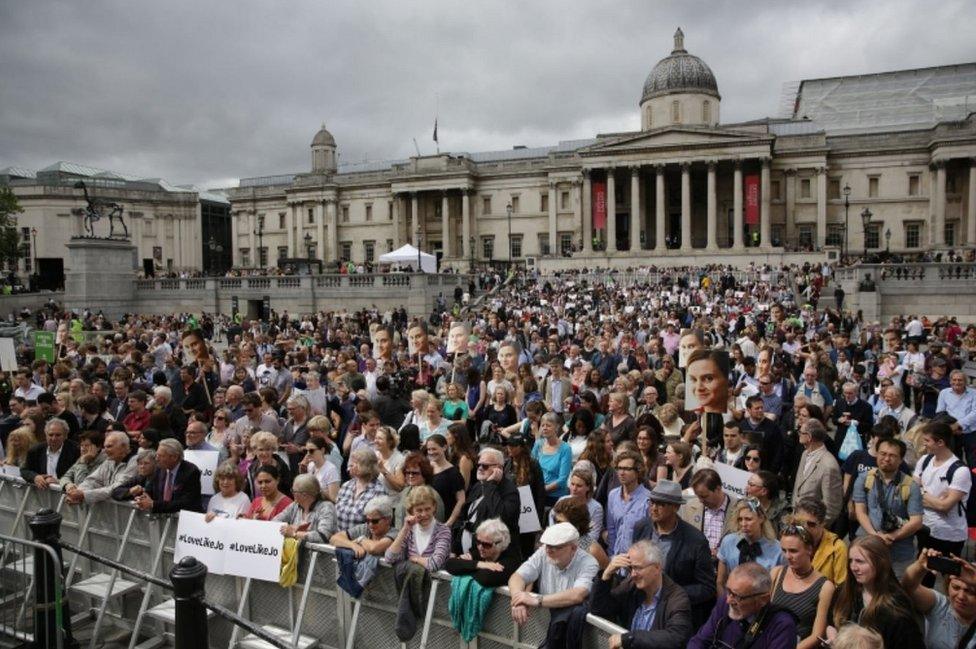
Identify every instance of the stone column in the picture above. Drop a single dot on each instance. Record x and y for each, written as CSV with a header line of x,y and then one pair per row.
x,y
939,220
331,209
446,246
553,222
789,177
178,227
415,220
234,252
659,236
577,203
971,206
252,220
290,228
320,230
466,223
611,212
686,206
395,208
711,209
587,212
635,203
764,216
737,241
821,207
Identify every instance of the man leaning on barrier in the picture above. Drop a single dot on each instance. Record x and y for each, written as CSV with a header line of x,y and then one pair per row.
x,y
111,473
562,574
48,461
175,485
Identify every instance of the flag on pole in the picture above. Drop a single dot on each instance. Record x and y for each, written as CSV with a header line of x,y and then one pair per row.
x,y
435,130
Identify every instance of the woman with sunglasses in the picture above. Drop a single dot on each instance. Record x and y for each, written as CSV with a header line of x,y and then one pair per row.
x,y
315,463
417,472
752,458
800,589
220,434
492,558
830,552
755,540
764,487
372,537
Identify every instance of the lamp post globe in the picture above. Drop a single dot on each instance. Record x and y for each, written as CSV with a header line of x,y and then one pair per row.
x,y
866,222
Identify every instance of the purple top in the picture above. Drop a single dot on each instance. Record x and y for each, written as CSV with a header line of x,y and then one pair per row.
x,y
778,632
436,552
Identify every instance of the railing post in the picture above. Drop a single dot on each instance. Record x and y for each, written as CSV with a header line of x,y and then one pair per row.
x,y
50,610
189,577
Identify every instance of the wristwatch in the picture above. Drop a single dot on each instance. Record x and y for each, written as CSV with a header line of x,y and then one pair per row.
x,y
538,599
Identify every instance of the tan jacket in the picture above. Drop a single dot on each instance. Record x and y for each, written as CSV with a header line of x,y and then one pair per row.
x,y
822,482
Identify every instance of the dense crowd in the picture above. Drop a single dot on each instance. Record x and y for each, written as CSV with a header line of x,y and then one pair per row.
x,y
543,439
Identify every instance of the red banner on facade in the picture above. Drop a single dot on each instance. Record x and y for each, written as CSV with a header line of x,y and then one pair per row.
x,y
599,204
752,200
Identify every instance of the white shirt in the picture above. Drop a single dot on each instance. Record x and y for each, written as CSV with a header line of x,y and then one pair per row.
x,y
950,526
52,461
31,393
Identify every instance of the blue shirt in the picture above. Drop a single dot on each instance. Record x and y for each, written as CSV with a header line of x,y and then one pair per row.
x,y
555,467
961,406
902,549
622,515
728,552
644,616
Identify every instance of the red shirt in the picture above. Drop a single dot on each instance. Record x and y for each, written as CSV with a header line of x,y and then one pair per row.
x,y
258,503
136,421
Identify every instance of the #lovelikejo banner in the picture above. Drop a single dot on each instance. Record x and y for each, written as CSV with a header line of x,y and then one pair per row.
x,y
242,548
733,480
206,461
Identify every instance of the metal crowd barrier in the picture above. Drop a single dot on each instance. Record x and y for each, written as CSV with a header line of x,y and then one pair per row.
x,y
313,613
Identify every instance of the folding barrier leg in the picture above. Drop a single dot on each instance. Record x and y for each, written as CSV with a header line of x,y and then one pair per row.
x,y
428,618
240,611
157,559
300,618
107,599
351,634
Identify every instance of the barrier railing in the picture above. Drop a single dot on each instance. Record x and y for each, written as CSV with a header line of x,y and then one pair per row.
x,y
314,612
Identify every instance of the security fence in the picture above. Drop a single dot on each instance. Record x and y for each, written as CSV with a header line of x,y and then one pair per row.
x,y
117,544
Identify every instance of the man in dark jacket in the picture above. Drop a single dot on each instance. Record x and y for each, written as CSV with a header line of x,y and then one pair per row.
x,y
47,462
391,410
850,407
648,603
493,496
689,560
175,485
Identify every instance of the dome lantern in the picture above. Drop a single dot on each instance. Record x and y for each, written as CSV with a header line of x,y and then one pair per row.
x,y
683,78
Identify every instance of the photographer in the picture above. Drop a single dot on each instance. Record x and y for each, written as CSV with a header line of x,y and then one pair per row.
x,y
389,407
949,618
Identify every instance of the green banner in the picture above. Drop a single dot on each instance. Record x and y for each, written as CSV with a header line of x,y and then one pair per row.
x,y
44,346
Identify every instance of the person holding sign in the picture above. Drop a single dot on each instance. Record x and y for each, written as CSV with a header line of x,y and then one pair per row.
x,y
228,501
310,517
270,502
707,387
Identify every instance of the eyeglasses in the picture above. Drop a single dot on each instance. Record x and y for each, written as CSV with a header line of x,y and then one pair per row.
x,y
626,468
411,473
484,467
485,544
809,525
374,521
733,596
220,417
752,458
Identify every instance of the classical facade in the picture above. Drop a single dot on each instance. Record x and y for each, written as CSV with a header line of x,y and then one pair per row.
x,y
901,145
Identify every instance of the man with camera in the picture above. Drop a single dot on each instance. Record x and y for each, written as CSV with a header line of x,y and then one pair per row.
x,y
888,504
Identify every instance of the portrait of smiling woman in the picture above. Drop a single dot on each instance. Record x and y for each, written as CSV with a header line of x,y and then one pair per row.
x,y
707,381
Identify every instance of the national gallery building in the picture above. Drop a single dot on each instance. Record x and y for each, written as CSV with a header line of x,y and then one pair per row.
x,y
899,148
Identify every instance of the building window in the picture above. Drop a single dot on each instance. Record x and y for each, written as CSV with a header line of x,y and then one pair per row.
x,y
345,250
805,236
950,233
913,184
281,220
544,243
804,188
389,210
515,204
488,247
675,111
263,257
833,188
648,117
369,251
369,212
706,111
345,214
245,257
872,238
389,245
312,250
282,252
873,187
835,234
311,215
486,205
566,243
544,203
149,227
913,235
773,190
950,183
516,246
564,200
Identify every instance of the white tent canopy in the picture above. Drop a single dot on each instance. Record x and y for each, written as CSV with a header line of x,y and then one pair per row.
x,y
407,257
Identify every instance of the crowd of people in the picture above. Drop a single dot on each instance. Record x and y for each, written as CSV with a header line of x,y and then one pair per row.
x,y
425,442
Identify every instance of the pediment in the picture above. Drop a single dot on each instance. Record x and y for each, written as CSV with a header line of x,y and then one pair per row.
x,y
668,138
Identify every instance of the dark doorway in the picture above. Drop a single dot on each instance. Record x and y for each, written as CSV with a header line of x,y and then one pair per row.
x,y
50,273
674,230
623,231
254,308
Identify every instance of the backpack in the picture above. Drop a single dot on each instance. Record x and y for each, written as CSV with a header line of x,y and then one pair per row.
x,y
969,509
904,487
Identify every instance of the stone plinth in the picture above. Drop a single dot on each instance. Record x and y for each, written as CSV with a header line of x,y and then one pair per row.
x,y
99,276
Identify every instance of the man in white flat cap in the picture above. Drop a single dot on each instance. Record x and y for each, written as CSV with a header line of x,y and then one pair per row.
x,y
562,574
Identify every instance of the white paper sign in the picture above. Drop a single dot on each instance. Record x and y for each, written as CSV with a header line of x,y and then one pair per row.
x,y
8,470
204,541
8,355
253,549
528,516
206,461
733,480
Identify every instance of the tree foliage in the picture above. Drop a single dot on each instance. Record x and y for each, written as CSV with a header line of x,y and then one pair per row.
x,y
9,238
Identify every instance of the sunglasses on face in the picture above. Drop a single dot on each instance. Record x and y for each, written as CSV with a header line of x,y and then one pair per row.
x,y
485,544
411,473
484,467
752,458
374,521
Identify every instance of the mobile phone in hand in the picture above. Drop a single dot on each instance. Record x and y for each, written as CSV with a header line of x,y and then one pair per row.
x,y
945,565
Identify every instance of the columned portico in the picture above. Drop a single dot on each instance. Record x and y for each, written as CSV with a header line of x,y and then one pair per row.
x,y
685,206
446,247
320,230
635,209
712,225
611,212
939,213
397,199
415,219
737,239
971,207
330,208
553,229
764,215
659,236
821,207
587,212
466,223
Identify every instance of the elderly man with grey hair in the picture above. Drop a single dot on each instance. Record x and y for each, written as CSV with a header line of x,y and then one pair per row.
x,y
655,610
51,459
163,403
818,474
294,434
494,495
175,485
116,469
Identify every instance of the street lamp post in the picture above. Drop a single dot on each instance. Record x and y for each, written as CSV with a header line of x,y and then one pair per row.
x,y
847,207
887,242
420,268
33,232
866,222
308,245
259,232
508,208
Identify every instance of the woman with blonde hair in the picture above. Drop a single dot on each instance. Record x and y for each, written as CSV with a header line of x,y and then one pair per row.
x,y
390,459
753,540
423,539
264,445
19,442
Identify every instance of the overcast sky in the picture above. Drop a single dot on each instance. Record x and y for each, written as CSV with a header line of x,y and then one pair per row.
x,y
208,92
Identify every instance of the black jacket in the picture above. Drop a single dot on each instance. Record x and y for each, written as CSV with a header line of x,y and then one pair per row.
x,y
688,564
860,411
490,500
186,490
672,626
36,462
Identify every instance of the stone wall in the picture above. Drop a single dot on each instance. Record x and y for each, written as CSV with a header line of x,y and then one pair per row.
x,y
931,289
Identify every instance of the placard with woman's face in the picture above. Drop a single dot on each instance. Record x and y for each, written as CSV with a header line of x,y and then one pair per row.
x,y
707,381
382,338
457,337
418,339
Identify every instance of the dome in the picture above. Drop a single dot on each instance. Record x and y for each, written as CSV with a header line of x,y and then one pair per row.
x,y
680,72
323,138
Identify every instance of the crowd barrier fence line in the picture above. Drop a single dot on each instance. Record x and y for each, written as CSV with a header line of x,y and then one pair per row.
x,y
313,613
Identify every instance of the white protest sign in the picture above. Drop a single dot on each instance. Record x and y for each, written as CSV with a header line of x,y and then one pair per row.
x,y
528,516
206,461
8,355
733,480
10,470
204,541
253,549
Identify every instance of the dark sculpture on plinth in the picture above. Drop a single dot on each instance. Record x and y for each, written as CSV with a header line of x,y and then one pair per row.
x,y
96,210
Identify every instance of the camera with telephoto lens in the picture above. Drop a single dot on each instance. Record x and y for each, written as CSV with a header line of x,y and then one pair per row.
x,y
890,522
